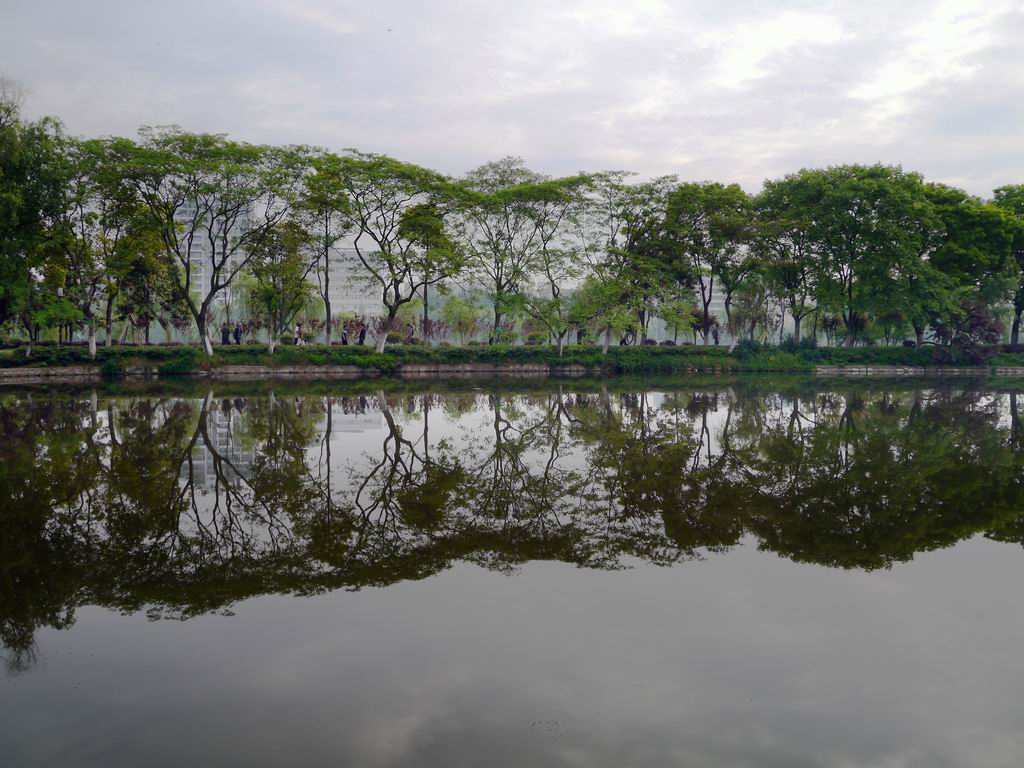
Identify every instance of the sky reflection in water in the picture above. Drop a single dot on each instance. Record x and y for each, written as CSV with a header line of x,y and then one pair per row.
x,y
784,573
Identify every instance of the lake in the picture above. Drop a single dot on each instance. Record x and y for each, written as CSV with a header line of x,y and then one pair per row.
x,y
699,572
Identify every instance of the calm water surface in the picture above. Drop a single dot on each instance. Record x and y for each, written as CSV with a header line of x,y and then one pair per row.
x,y
687,572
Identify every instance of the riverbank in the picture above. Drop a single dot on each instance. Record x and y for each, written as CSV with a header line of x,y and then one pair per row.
x,y
58,364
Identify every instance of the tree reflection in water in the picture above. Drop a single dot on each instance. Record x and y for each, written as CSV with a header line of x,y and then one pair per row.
x,y
181,506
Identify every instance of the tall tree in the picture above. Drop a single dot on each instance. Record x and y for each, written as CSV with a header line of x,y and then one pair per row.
x,y
103,233
791,262
278,287
1010,198
398,238
214,202
623,232
324,211
498,228
31,197
867,228
707,224
560,263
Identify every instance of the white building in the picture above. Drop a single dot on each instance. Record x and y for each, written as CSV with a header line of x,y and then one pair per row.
x,y
350,291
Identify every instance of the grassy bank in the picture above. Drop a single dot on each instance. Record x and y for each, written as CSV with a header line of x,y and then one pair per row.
x,y
172,360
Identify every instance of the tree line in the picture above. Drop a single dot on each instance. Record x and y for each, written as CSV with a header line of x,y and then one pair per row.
x,y
95,232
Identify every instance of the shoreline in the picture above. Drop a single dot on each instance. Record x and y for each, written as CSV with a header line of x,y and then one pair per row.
x,y
93,374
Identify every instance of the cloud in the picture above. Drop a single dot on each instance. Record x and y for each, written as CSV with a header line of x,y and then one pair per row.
x,y
737,92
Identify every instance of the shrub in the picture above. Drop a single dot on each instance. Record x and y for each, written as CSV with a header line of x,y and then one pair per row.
x,y
747,347
184,361
650,343
112,367
668,343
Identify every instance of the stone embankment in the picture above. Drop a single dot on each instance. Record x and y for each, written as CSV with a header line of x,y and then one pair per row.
x,y
82,374
87,374
913,370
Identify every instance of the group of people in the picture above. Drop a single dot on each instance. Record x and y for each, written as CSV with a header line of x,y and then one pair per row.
x,y
360,334
226,333
300,339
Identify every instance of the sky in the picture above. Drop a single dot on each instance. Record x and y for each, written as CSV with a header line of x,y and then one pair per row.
x,y
733,91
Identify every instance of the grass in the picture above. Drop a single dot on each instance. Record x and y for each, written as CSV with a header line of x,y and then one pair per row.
x,y
179,360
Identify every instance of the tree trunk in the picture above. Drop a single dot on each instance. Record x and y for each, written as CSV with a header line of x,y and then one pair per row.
x,y
919,333
382,340
109,338
204,332
848,338
497,325
796,327
1015,329
561,343
92,338
327,297
607,340
272,343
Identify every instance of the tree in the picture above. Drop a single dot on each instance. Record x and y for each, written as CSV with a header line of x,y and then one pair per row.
x,y
214,202
678,316
870,230
623,232
496,224
323,210
394,206
279,289
707,224
31,197
103,234
1010,198
559,257
463,317
608,305
791,262
423,225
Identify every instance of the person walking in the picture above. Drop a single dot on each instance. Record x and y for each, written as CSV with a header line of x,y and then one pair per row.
x,y
299,340
238,333
225,333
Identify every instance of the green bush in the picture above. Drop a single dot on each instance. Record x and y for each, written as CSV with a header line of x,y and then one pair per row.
x,y
112,367
748,356
747,347
186,361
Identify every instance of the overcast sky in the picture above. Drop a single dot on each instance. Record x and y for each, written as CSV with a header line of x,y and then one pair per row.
x,y
731,91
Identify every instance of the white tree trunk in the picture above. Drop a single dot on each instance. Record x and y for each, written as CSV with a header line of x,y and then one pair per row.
x,y
92,339
207,343
381,341
272,344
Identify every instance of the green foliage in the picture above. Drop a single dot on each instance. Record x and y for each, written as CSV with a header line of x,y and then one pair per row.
x,y
748,356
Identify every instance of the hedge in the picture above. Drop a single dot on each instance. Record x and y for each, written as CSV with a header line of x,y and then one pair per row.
x,y
177,360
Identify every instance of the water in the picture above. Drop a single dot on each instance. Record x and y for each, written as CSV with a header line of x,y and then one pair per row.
x,y
684,572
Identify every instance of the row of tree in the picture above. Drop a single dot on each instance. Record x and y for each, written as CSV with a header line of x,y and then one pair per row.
x,y
158,228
